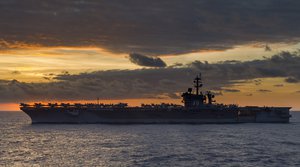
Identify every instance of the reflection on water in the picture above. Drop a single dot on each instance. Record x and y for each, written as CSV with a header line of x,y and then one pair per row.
x,y
148,145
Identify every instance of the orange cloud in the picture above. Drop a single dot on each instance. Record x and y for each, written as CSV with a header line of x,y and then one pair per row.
x,y
6,45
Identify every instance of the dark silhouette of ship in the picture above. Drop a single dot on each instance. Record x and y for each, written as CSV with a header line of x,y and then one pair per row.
x,y
198,108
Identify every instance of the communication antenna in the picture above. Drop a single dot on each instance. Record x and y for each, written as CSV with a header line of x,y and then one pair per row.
x,y
198,83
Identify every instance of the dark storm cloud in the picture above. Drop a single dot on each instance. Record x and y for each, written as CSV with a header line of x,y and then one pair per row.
x,y
153,82
291,80
146,61
231,90
148,27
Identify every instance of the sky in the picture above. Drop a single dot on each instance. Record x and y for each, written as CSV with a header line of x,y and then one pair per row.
x,y
141,51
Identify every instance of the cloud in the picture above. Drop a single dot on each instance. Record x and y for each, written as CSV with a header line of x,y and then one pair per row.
x,y
146,61
231,90
15,72
148,27
268,48
168,95
264,90
257,81
152,82
291,80
278,85
50,76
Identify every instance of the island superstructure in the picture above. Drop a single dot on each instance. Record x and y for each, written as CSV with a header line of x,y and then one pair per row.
x,y
198,108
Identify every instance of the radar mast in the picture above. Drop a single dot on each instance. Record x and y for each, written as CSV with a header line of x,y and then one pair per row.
x,y
198,83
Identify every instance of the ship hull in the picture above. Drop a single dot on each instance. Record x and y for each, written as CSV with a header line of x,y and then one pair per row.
x,y
161,116
130,117
264,114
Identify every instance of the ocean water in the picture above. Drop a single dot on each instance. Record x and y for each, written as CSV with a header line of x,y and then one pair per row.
x,y
23,144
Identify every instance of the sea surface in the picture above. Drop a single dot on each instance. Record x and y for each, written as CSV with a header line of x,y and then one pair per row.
x,y
23,144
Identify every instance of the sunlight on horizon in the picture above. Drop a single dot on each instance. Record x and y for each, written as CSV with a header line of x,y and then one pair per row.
x,y
38,64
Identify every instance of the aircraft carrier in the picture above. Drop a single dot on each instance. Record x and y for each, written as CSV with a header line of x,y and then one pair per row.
x,y
198,108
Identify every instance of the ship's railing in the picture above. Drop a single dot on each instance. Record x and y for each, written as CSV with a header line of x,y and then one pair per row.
x,y
93,105
162,105
226,105
118,105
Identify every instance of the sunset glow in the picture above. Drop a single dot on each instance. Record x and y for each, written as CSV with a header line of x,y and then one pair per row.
x,y
78,51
